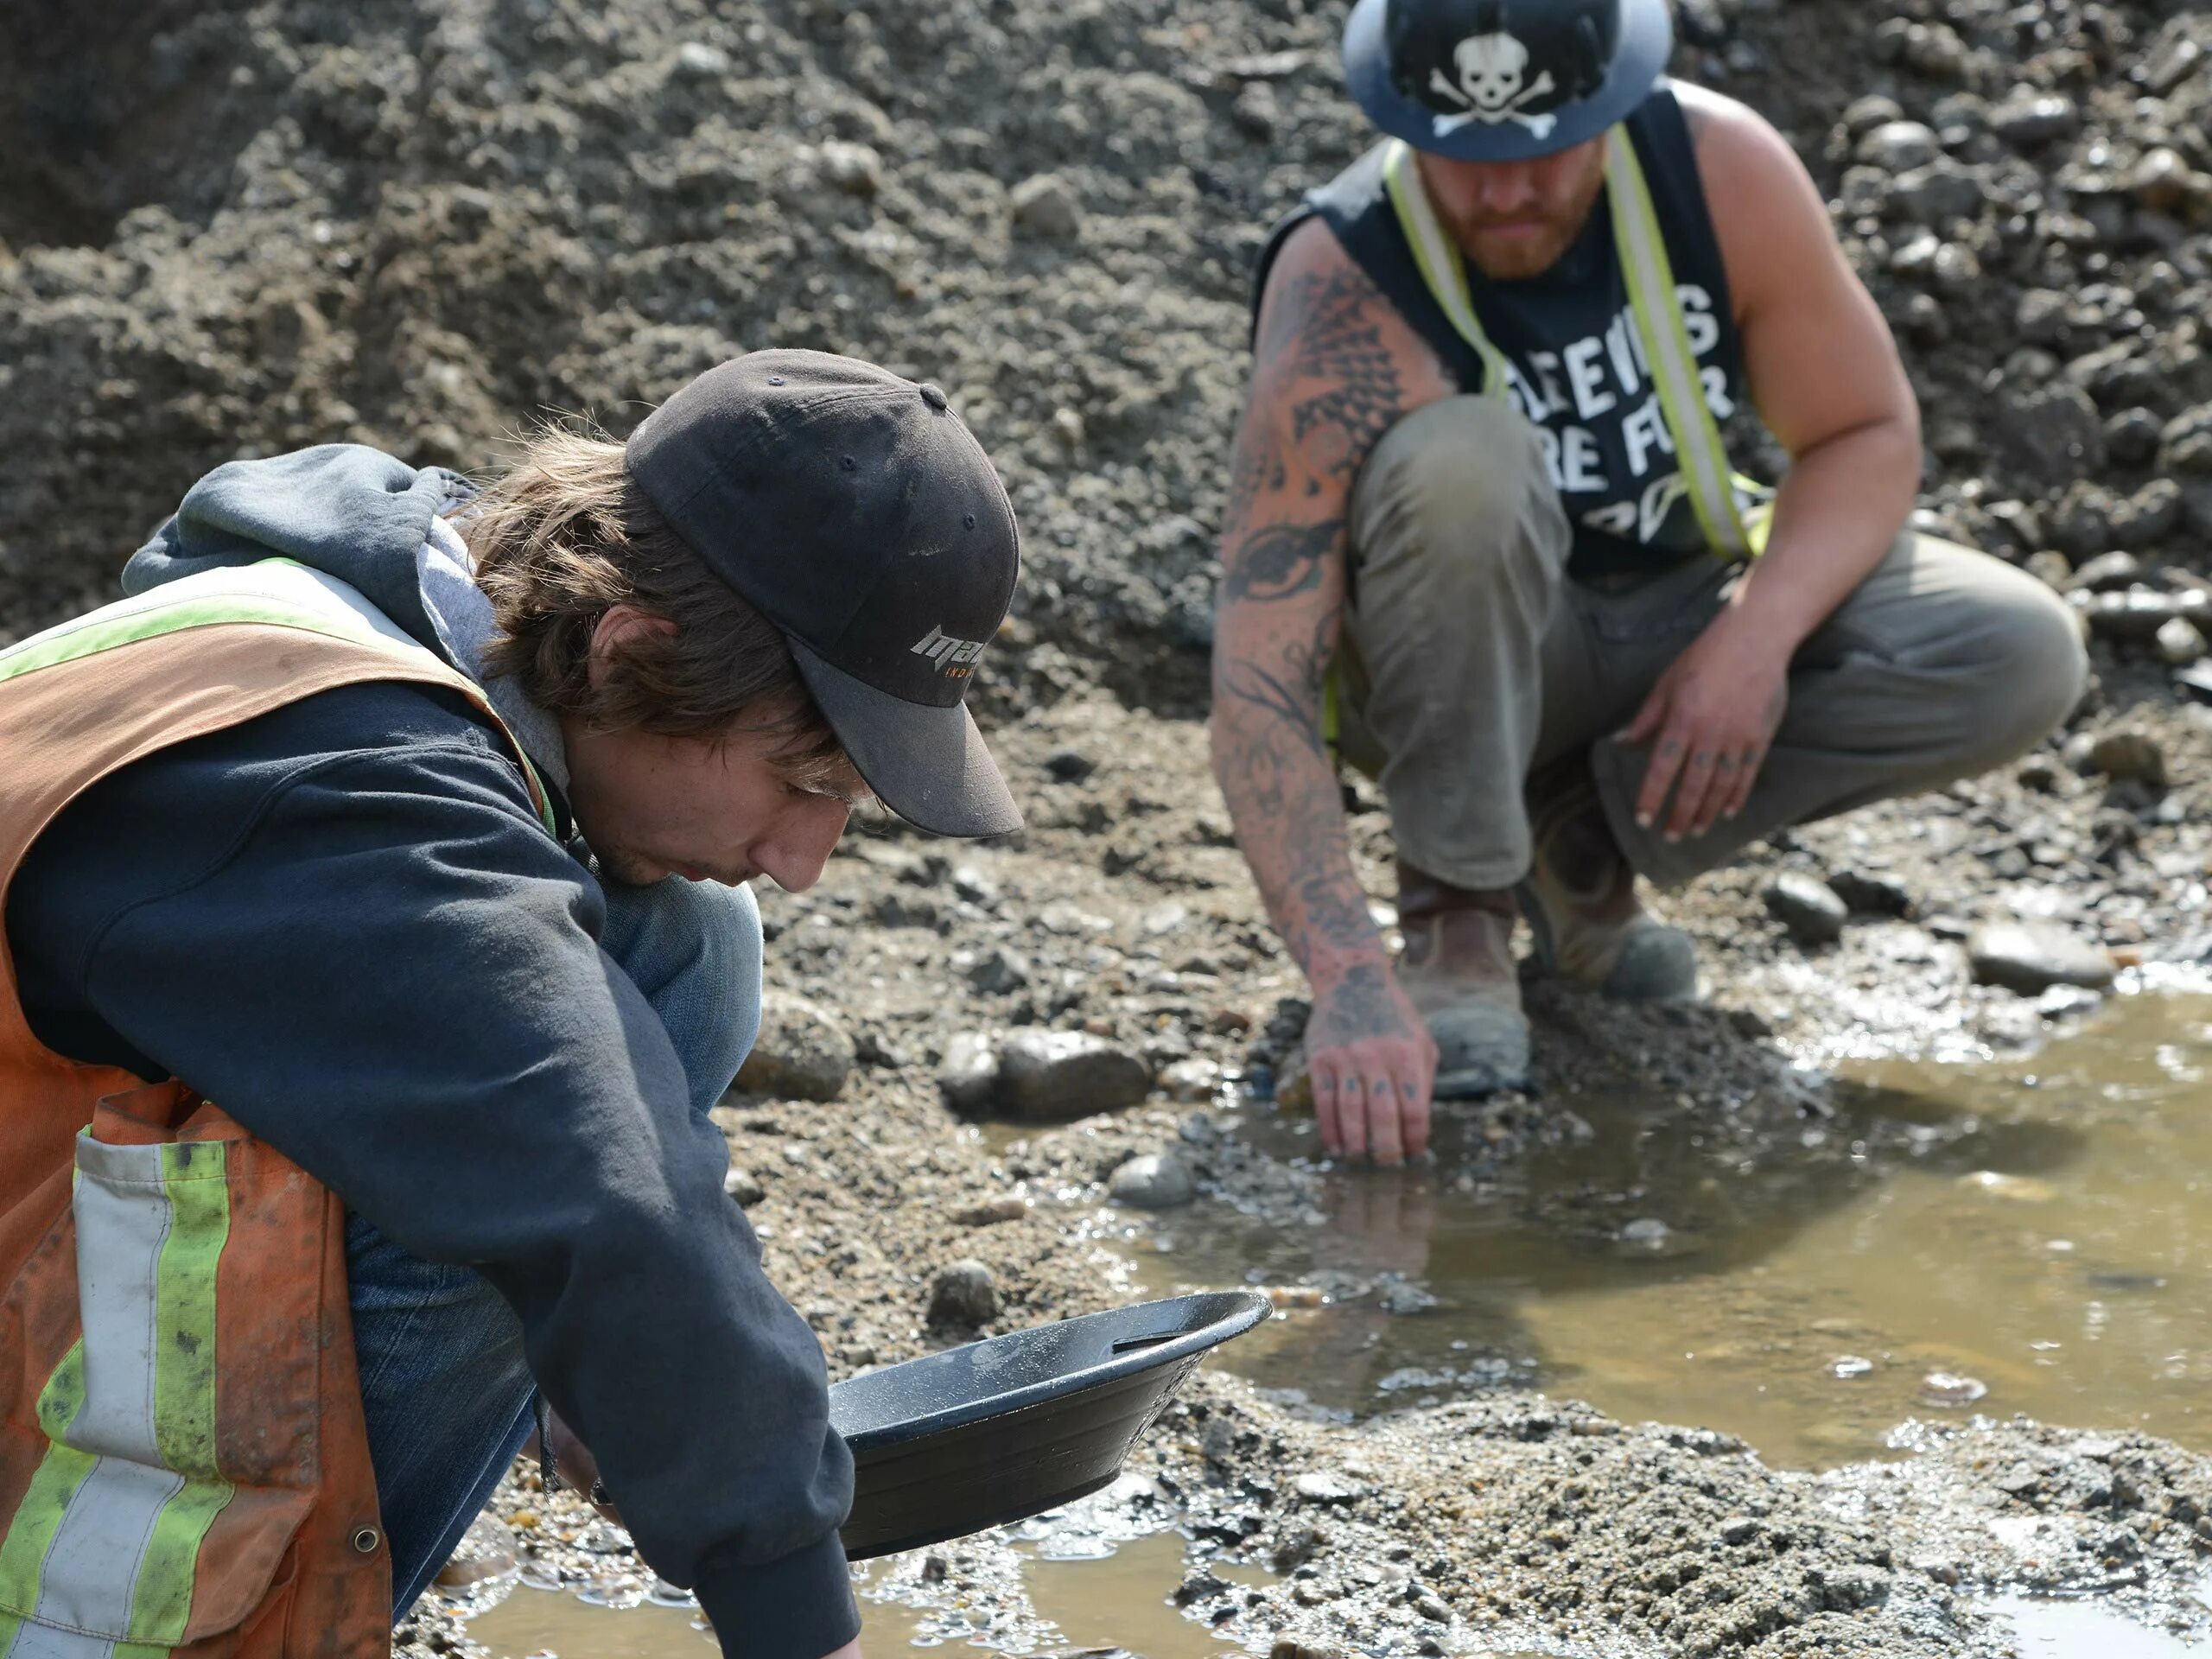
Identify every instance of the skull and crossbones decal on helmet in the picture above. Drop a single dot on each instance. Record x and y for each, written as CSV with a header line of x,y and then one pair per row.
x,y
1491,84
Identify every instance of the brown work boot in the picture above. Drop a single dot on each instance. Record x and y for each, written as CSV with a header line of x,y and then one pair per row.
x,y
1580,898
1458,970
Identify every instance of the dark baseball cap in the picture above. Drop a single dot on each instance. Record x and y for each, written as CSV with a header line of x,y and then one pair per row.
x,y
856,512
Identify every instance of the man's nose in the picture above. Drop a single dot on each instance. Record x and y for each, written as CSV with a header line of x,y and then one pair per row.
x,y
1505,189
802,840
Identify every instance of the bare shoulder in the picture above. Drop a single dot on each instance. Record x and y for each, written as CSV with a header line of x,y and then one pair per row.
x,y
1767,212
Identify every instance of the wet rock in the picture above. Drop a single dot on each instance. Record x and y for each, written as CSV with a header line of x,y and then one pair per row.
x,y
1899,146
1047,206
853,169
1872,892
1052,1077
965,1296
1153,1180
1949,1390
2131,437
1258,110
2031,956
2007,1189
1649,1233
1403,1298
487,1551
742,1185
1002,971
968,1075
2129,754
2180,642
803,1052
1846,1367
1808,907
1942,190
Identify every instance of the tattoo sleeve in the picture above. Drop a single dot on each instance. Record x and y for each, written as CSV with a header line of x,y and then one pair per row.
x,y
1326,386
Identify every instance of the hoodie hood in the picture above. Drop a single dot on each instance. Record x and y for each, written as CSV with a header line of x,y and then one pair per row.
x,y
374,522
346,509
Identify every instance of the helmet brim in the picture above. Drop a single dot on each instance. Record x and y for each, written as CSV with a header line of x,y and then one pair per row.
x,y
1647,37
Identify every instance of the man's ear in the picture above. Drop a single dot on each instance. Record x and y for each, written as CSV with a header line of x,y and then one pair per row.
x,y
623,627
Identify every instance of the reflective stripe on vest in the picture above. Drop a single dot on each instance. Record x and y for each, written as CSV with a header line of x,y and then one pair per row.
x,y
1711,483
274,592
109,1535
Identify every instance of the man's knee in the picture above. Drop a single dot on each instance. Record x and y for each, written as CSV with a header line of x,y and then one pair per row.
x,y
1462,482
693,949
2037,669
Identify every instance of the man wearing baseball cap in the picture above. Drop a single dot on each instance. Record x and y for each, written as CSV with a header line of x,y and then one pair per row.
x,y
1485,541
375,901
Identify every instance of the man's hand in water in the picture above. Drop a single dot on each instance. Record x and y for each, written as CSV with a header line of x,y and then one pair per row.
x,y
1372,1063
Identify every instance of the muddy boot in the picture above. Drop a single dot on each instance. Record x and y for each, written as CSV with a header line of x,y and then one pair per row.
x,y
1458,969
1580,898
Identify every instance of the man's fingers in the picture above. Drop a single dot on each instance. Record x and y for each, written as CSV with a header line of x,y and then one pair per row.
x,y
1668,756
1352,1111
1725,768
1384,1133
1746,775
1323,1074
1414,1110
1689,792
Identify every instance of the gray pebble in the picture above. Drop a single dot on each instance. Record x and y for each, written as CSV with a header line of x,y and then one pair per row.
x,y
1153,1180
2031,956
1808,907
803,1052
965,1296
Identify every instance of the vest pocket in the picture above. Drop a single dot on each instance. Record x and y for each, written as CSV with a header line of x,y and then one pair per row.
x,y
181,1428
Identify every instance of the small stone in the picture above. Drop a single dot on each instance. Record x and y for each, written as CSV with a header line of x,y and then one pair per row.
x,y
2030,956
1256,110
1864,114
2180,642
1649,1233
1950,1391
2049,567
1070,766
1846,1367
2054,433
1068,427
2107,573
1153,1180
1327,1486
1192,1081
487,1550
2007,1189
1402,1298
1739,1529
803,1052
855,168
1048,207
1808,907
2129,754
1899,146
741,1186
965,1296
1009,1207
2028,119
977,888
1872,892
2133,617
702,61
968,1075
1002,971
1054,1076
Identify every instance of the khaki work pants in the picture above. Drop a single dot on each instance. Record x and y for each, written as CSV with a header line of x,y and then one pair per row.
x,y
1479,659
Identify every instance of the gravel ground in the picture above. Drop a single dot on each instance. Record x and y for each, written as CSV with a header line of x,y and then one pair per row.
x,y
230,229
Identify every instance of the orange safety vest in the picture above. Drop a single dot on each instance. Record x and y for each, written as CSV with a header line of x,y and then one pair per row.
x,y
183,1462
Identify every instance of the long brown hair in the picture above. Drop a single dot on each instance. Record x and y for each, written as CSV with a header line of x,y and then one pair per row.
x,y
565,536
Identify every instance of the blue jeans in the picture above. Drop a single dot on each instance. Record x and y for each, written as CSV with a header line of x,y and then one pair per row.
x,y
444,1384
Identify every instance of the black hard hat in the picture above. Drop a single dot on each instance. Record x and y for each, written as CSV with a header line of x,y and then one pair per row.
x,y
1504,80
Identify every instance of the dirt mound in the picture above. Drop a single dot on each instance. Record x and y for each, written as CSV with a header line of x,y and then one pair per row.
x,y
239,229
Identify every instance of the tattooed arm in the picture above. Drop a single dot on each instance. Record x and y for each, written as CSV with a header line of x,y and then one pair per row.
x,y
1334,368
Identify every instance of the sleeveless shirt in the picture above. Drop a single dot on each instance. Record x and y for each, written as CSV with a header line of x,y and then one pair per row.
x,y
1575,362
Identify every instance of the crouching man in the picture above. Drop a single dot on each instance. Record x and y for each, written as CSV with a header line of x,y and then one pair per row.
x,y
1483,517
375,904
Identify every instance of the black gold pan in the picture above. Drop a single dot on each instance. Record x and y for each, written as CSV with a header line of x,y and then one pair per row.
x,y
1006,1428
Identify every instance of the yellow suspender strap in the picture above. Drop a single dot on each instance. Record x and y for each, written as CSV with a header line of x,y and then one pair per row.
x,y
1643,252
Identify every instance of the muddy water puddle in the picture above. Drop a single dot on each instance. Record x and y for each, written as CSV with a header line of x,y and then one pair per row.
x,y
2030,1236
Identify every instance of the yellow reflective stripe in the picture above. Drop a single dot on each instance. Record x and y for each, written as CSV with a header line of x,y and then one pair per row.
x,y
1443,268
201,601
53,1488
1643,252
